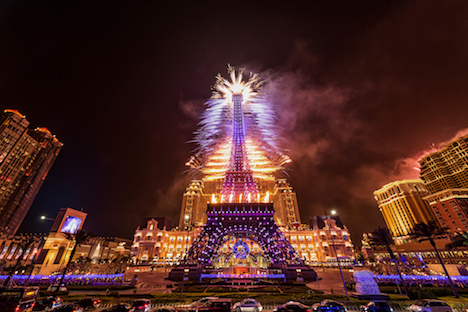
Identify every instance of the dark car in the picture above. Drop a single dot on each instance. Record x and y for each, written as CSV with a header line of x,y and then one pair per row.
x,y
89,303
329,306
377,306
18,299
49,303
218,305
122,307
166,309
71,307
292,306
141,305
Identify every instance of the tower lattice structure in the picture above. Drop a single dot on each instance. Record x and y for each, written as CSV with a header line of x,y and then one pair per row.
x,y
240,213
239,183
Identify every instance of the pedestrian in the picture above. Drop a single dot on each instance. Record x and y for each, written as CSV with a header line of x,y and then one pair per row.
x,y
134,290
107,291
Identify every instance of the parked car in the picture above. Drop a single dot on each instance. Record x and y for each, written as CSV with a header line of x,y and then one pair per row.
x,y
201,302
122,307
218,305
71,307
377,306
89,303
166,309
329,306
248,305
427,305
18,298
292,306
49,303
57,287
141,305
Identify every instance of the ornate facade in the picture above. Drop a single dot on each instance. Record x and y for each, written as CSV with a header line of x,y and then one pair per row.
x,y
314,244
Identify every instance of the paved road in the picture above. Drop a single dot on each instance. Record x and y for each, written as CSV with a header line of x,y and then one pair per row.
x,y
155,282
330,280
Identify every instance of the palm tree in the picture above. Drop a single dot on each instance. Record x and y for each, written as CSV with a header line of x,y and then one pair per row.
x,y
382,237
429,231
80,237
24,245
459,240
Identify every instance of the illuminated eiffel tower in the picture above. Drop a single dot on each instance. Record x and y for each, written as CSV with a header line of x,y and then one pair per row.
x,y
240,213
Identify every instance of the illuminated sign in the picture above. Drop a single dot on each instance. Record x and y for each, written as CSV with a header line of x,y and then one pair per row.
x,y
71,225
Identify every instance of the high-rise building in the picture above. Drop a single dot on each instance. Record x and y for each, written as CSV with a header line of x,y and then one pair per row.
x,y
450,207
402,206
446,168
26,156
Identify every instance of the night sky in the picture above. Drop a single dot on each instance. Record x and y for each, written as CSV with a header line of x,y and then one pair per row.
x,y
362,88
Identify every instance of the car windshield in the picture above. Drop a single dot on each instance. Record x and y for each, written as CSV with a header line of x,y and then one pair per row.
x,y
437,304
381,304
249,302
139,303
294,306
222,304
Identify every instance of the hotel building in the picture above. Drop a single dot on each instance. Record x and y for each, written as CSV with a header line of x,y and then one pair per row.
x,y
446,168
402,206
450,207
26,156
321,242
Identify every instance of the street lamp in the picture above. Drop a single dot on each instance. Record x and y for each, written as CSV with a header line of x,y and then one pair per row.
x,y
333,212
186,271
45,218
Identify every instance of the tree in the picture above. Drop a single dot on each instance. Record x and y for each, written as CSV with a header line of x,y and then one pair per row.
x,y
382,237
80,237
359,257
459,240
24,245
428,232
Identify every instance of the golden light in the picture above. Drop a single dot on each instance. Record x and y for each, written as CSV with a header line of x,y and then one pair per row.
x,y
267,197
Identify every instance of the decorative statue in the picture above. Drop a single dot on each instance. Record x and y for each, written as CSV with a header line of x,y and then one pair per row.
x,y
365,283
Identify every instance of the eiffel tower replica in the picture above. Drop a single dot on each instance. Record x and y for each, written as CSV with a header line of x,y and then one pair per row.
x,y
241,214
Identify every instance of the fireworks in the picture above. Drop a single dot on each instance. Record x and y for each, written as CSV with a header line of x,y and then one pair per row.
x,y
215,135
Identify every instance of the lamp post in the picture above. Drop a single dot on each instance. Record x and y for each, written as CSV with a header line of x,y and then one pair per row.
x,y
45,218
187,217
333,212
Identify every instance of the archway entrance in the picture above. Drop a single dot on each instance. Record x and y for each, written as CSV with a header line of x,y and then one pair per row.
x,y
241,224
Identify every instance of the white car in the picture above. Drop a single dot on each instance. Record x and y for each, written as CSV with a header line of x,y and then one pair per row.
x,y
247,305
428,305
